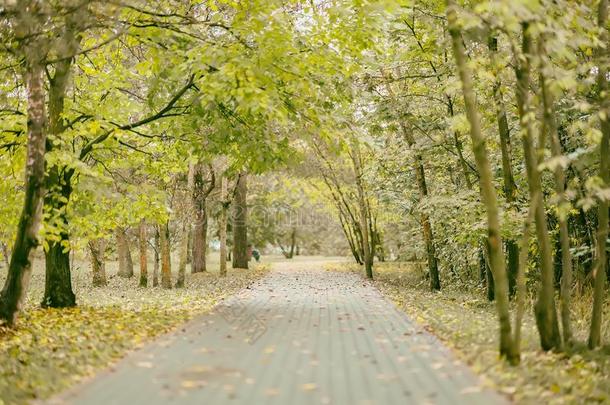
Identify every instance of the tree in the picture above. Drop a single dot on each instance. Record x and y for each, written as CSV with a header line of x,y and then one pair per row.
x,y
202,187
488,194
240,224
25,19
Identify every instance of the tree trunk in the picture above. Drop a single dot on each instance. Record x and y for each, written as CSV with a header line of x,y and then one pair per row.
x,y
364,213
293,241
157,249
189,253
489,277
186,228
488,193
240,226
143,254
58,286
222,225
546,314
604,173
510,188
184,246
563,205
200,228
124,254
97,251
200,242
166,261
20,267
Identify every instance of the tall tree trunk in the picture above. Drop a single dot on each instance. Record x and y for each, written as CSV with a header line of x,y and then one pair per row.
x,y
58,285
510,188
563,205
364,222
26,239
166,260
200,228
546,313
157,250
183,253
222,225
186,227
97,251
240,225
200,240
488,193
124,254
604,172
143,239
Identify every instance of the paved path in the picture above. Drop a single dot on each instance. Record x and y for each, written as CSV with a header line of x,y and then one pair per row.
x,y
299,336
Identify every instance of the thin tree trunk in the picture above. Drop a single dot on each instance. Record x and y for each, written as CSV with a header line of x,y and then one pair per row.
x,y
364,222
510,188
200,228
26,239
546,313
240,225
604,173
488,193
124,254
184,246
157,250
293,241
97,251
186,227
222,225
143,254
550,125
166,261
489,277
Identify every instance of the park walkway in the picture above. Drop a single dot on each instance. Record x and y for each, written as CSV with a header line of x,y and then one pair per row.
x,y
298,336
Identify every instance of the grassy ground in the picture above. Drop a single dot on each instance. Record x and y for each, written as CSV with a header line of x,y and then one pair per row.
x,y
53,349
465,321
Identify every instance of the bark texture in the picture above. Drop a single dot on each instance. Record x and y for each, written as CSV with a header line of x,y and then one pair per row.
x,y
97,252
166,260
124,254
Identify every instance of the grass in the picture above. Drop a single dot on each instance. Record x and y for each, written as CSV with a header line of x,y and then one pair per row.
x,y
464,320
52,349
